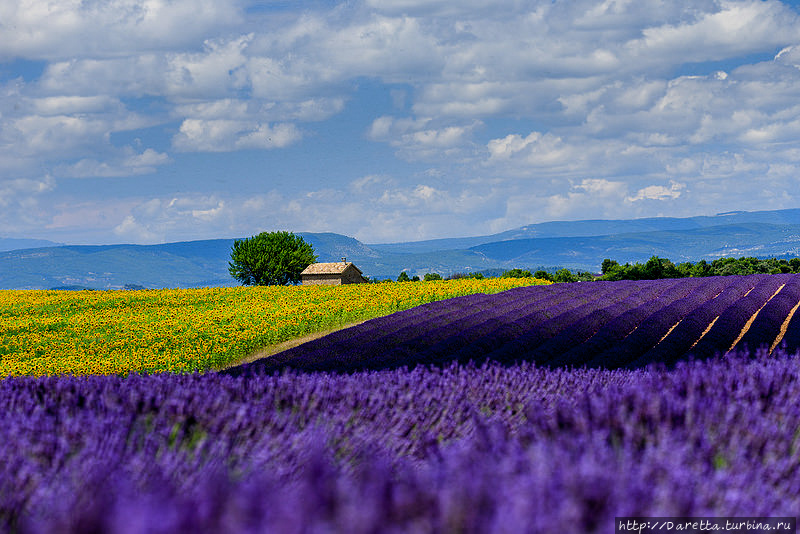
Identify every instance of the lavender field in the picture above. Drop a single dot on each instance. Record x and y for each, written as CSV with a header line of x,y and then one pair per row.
x,y
454,449
507,426
625,324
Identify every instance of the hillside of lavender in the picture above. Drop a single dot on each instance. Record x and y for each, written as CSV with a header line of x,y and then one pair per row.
x,y
623,324
543,409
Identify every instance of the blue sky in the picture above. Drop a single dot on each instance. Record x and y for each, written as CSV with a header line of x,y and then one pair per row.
x,y
149,121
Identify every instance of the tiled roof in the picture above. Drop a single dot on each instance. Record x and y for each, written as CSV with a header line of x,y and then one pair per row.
x,y
328,268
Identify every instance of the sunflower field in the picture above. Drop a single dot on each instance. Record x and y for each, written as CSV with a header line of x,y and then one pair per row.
x,y
185,330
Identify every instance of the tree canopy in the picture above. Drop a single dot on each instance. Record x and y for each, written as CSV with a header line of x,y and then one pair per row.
x,y
656,268
270,258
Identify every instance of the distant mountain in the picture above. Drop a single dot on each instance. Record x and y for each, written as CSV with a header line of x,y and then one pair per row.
x,y
709,243
186,264
579,245
599,227
7,243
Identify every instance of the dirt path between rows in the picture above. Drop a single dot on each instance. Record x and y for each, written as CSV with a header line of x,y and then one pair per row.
x,y
266,352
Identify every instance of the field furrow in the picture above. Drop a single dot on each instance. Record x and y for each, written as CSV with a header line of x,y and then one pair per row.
x,y
599,324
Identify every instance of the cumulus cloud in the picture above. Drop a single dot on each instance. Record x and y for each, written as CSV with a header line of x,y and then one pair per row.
x,y
498,114
40,29
536,149
21,206
130,164
227,135
733,27
658,192
153,220
422,138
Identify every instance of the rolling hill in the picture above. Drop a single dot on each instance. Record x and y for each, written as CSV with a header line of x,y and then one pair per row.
x,y
577,245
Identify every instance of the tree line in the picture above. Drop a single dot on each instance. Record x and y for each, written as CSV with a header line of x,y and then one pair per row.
x,y
656,268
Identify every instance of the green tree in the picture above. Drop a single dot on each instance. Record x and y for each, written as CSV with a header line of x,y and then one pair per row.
x,y
516,273
432,276
564,275
701,268
403,277
543,275
607,265
270,259
612,270
657,268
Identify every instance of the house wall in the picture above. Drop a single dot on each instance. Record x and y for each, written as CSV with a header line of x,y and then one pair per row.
x,y
322,280
351,276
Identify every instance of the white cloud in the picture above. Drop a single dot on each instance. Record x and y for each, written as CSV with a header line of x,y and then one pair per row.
x,y
544,155
21,207
41,29
518,110
10,190
602,187
536,149
129,164
423,138
153,220
228,135
314,109
658,192
734,28
217,71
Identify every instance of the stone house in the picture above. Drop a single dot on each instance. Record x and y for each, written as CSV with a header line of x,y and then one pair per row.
x,y
332,274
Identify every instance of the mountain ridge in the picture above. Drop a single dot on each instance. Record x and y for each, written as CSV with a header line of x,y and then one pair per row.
x,y
547,245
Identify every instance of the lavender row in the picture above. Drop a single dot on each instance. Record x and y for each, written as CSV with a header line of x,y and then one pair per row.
x,y
563,317
621,326
524,346
396,321
459,448
656,326
518,341
688,331
393,341
397,327
451,337
534,295
791,339
393,327
376,355
602,324
551,351
730,323
766,328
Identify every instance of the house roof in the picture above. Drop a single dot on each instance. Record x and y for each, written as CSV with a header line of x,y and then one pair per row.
x,y
329,268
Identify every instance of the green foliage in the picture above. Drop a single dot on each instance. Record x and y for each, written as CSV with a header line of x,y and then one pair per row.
x,y
403,277
543,275
516,273
432,276
656,268
270,258
457,276
564,275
